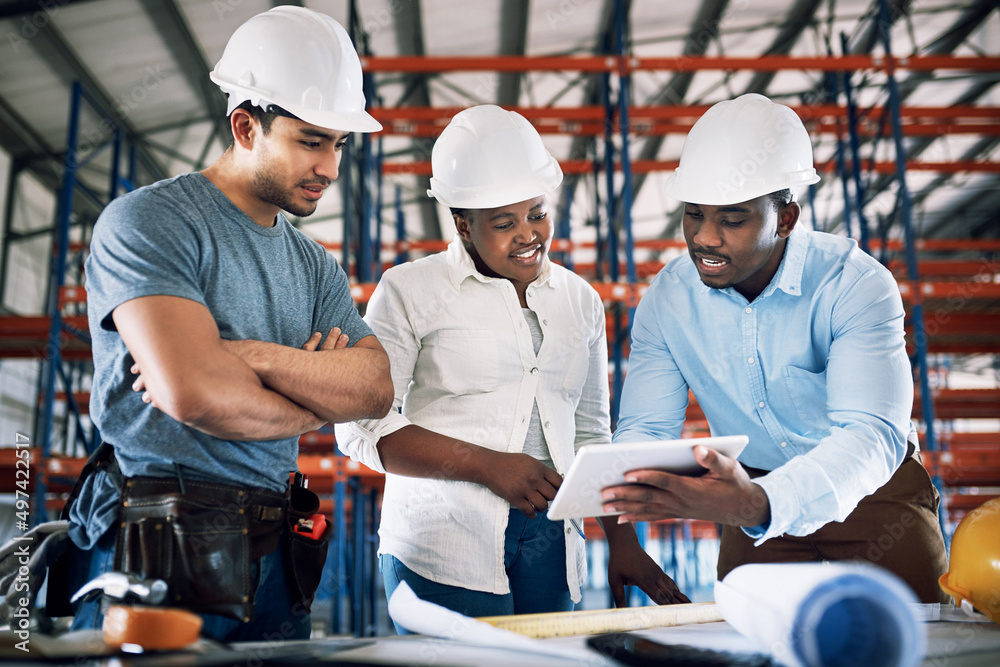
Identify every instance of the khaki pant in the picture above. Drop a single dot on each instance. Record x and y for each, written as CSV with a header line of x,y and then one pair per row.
x,y
896,527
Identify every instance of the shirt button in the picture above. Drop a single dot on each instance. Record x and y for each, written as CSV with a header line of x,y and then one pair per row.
x,y
749,360
784,444
761,404
534,371
546,424
749,310
545,322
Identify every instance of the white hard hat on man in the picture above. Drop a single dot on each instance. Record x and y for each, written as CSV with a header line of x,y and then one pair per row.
x,y
742,149
301,61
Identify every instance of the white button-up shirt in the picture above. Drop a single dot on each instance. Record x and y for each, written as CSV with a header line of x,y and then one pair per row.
x,y
463,365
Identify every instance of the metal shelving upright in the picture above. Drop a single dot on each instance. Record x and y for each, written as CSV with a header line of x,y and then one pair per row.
x,y
54,365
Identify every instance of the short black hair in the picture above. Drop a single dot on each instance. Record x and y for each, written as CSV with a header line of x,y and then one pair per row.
x,y
263,116
780,198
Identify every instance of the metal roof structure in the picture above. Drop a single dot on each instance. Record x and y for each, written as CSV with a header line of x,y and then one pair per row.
x,y
145,64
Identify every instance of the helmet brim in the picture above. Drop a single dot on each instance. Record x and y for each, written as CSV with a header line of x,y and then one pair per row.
x,y
542,182
357,121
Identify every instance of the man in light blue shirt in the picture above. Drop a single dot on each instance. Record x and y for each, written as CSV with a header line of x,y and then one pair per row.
x,y
792,337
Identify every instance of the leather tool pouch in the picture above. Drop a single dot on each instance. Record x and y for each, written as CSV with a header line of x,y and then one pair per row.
x,y
202,542
306,554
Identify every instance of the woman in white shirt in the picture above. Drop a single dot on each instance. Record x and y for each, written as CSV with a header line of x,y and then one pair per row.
x,y
499,361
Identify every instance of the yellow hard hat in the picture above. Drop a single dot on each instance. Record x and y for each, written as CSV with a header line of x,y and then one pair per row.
x,y
974,571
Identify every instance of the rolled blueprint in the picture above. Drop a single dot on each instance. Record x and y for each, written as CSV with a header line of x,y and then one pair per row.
x,y
824,614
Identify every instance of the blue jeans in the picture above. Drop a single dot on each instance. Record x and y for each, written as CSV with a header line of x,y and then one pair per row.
x,y
277,616
535,561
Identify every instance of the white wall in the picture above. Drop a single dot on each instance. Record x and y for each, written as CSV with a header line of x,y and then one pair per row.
x,y
26,274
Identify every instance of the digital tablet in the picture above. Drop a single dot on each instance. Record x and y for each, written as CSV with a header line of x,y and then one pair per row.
x,y
597,467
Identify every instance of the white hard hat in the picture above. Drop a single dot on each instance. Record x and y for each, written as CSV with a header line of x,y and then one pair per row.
x,y
489,157
742,149
301,61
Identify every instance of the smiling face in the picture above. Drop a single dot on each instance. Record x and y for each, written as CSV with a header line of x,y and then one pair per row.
x,y
295,162
739,245
508,241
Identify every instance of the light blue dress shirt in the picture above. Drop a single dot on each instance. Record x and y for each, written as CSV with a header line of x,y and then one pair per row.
x,y
814,371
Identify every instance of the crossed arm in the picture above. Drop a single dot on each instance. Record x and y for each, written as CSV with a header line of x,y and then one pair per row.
x,y
248,390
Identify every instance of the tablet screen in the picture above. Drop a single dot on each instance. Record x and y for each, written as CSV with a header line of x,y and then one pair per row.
x,y
599,466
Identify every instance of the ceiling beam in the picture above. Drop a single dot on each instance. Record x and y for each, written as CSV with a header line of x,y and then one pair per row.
x,y
12,9
592,90
410,42
981,147
795,22
972,216
19,139
513,42
951,38
703,31
166,16
867,35
53,49
30,150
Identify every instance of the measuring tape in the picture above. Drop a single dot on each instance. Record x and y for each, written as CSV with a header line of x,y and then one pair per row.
x,y
597,621
152,628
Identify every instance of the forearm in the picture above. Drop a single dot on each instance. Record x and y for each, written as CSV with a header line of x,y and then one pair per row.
x,y
235,405
414,451
338,385
618,535
524,482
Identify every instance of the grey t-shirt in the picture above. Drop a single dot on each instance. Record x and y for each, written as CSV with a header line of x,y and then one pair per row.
x,y
534,440
183,237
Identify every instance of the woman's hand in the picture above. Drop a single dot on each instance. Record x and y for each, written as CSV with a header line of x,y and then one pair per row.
x,y
521,480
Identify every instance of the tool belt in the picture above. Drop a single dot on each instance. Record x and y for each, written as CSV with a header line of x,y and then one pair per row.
x,y
201,540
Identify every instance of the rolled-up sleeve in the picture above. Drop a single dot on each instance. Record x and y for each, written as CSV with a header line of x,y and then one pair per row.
x,y
387,316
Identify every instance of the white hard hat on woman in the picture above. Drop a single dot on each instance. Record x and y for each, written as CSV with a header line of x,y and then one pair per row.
x,y
489,157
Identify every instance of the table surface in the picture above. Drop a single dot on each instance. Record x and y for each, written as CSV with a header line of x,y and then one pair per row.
x,y
950,644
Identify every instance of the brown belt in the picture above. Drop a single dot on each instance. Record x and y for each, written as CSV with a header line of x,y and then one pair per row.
x,y
264,509
200,538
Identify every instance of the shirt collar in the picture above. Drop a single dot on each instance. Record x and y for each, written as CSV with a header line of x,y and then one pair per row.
x,y
789,276
461,266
